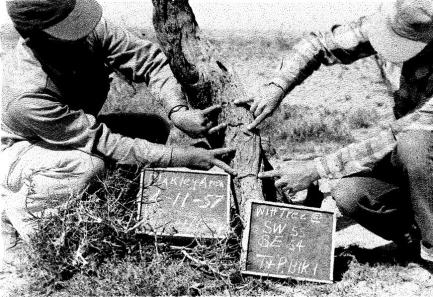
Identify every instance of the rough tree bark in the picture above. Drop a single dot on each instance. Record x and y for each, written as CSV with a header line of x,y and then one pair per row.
x,y
206,81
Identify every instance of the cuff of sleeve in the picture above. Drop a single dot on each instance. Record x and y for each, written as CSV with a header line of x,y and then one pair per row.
x,y
166,155
426,253
172,96
281,82
320,168
174,104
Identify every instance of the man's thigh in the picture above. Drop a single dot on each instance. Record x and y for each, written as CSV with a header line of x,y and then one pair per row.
x,y
354,192
45,175
378,199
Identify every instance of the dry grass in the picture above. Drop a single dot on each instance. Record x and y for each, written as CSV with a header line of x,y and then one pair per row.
x,y
90,248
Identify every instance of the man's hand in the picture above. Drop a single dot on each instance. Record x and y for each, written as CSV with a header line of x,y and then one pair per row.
x,y
293,176
199,158
264,104
196,122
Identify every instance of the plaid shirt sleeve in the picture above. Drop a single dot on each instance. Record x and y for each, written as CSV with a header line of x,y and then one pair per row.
x,y
362,156
343,45
356,157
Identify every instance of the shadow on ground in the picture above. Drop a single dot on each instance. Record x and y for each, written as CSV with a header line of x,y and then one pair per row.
x,y
387,254
383,255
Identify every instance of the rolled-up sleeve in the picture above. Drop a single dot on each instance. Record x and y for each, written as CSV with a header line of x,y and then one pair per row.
x,y
362,156
356,157
341,45
140,61
55,123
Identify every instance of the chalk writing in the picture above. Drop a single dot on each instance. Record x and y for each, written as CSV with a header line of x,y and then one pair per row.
x,y
282,213
285,265
189,182
186,203
208,201
192,223
316,217
284,240
266,241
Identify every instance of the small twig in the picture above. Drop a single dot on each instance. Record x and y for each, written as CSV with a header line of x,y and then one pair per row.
x,y
228,292
203,263
175,247
122,191
156,245
138,224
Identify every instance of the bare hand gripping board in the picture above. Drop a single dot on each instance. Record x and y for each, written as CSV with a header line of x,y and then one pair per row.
x,y
288,241
184,203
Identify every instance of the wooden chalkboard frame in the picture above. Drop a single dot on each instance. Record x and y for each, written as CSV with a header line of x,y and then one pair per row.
x,y
186,170
246,235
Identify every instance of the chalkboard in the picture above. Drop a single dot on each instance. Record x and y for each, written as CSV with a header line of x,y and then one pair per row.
x,y
288,241
184,203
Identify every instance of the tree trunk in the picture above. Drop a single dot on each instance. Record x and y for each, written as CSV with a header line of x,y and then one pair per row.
x,y
206,81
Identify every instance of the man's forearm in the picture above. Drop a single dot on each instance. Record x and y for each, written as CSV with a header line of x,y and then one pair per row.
x,y
356,157
362,156
341,45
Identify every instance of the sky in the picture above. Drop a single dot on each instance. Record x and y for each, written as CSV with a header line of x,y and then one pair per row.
x,y
256,15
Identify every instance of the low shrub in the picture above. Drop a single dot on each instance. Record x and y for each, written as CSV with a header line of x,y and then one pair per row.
x,y
362,117
91,247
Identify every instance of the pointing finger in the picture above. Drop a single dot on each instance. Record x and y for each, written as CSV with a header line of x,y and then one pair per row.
x,y
259,110
223,151
254,107
212,109
217,128
257,121
269,174
224,166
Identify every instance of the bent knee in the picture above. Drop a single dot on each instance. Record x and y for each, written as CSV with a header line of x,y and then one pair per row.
x,y
46,172
347,194
89,169
73,175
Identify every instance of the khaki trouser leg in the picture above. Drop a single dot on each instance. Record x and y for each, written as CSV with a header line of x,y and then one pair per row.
x,y
38,179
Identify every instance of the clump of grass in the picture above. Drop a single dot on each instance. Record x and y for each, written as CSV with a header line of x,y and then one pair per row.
x,y
298,124
89,229
91,247
362,117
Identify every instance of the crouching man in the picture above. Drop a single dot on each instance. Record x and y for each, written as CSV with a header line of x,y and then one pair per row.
x,y
53,142
387,181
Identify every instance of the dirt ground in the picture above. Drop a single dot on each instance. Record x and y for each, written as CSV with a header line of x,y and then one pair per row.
x,y
345,88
